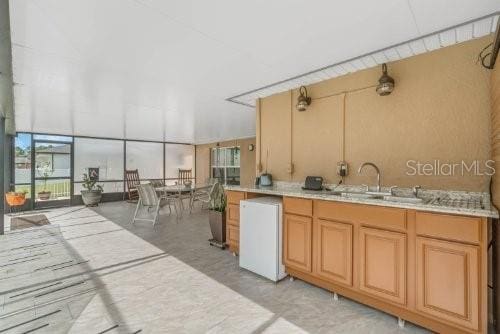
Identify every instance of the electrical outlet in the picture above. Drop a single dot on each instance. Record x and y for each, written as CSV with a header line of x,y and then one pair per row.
x,y
342,168
290,168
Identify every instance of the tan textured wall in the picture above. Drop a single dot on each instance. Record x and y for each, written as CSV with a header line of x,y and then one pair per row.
x,y
247,160
440,109
495,130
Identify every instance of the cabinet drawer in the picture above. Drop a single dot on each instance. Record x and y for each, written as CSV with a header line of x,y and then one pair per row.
x,y
298,206
234,197
369,215
457,228
233,214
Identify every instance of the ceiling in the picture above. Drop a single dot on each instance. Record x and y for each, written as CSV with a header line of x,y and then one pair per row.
x,y
164,69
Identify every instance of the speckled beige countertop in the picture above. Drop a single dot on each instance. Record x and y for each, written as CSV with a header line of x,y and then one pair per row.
x,y
453,202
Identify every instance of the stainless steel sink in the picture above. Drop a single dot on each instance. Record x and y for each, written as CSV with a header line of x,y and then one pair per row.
x,y
349,194
375,195
398,199
360,195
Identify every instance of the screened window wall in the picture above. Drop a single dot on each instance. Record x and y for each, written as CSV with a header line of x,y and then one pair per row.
x,y
109,158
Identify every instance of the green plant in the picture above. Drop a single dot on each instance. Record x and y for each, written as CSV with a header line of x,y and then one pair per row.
x,y
217,198
44,169
90,184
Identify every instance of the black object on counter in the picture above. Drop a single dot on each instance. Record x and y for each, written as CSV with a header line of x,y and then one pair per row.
x,y
313,183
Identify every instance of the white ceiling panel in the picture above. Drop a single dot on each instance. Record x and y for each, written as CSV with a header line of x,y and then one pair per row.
x,y
164,69
435,15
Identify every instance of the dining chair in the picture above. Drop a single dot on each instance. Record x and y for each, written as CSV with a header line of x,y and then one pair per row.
x,y
169,198
202,195
132,178
183,194
185,175
148,199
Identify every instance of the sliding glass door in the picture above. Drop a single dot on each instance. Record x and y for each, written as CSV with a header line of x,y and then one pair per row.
x,y
52,173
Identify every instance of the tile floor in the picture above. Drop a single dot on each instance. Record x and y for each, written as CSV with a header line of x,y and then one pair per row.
x,y
90,271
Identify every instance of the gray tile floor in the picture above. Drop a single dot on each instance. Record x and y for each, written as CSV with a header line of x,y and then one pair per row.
x,y
90,271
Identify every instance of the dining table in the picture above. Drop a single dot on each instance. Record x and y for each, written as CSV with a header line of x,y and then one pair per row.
x,y
181,191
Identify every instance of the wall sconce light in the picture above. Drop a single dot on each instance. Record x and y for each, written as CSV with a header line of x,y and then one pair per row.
x,y
385,83
303,101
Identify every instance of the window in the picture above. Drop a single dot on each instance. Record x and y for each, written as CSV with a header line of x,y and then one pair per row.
x,y
59,163
225,164
103,155
147,157
68,139
22,160
177,157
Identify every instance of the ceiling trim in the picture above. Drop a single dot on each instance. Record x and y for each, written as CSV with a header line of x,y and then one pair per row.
x,y
459,33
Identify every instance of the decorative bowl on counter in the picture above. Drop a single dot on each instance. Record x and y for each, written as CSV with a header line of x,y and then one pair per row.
x,y
188,183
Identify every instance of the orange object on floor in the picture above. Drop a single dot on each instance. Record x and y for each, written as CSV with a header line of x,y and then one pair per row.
x,y
15,199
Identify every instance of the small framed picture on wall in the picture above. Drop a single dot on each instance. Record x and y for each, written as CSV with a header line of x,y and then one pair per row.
x,y
94,173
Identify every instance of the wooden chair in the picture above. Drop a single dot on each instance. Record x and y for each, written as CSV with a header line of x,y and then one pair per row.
x,y
132,178
185,175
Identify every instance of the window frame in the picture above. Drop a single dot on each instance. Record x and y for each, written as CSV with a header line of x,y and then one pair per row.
x,y
224,165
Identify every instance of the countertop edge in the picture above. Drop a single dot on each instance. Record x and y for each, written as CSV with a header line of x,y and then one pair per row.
x,y
423,207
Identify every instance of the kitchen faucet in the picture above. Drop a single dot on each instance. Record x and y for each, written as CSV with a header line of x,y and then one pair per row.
x,y
376,169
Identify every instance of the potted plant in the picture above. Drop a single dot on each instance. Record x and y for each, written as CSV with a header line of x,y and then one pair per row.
x,y
15,198
45,170
217,217
93,193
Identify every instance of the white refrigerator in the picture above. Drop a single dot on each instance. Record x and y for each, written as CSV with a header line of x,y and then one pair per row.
x,y
261,226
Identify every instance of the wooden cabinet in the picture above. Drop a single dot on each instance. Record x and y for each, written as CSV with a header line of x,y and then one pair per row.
x,y
233,237
425,267
333,251
233,219
448,281
233,214
382,264
297,242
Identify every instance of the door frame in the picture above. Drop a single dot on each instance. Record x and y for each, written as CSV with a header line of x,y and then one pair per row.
x,y
51,203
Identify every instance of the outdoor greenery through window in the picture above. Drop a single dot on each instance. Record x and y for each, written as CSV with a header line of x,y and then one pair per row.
x,y
225,165
50,170
22,163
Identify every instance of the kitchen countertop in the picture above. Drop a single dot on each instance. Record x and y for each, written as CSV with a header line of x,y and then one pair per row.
x,y
453,202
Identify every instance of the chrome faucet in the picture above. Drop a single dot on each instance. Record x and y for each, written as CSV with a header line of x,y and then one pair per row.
x,y
376,169
415,191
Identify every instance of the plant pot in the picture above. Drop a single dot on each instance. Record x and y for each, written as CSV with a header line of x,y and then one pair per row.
x,y
15,199
217,225
91,197
44,195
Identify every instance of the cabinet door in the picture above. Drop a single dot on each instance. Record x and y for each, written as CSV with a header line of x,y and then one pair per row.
x,y
297,243
383,264
233,214
333,251
233,238
448,281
